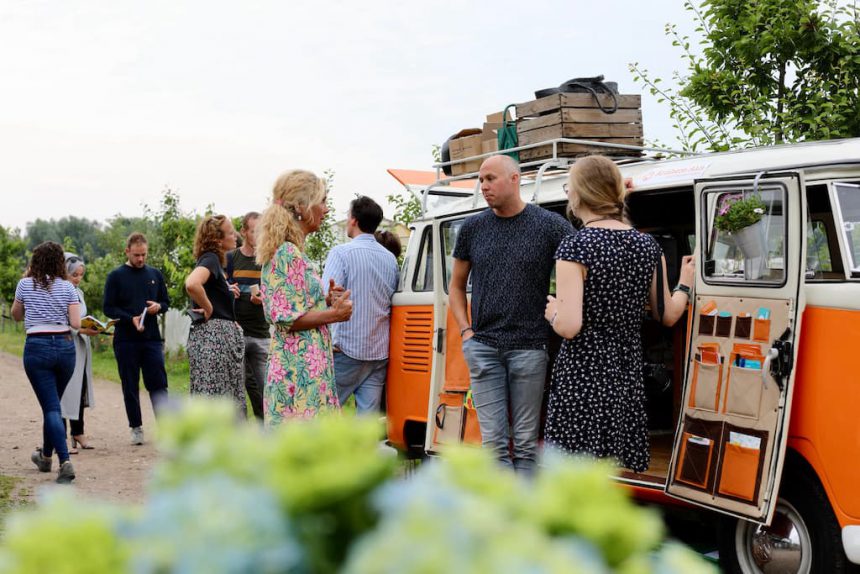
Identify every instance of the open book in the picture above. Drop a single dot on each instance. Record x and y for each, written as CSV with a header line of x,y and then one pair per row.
x,y
90,322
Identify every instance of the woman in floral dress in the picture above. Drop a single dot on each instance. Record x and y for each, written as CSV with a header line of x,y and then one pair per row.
x,y
300,374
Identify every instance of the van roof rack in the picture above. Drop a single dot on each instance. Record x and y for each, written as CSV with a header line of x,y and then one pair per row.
x,y
541,167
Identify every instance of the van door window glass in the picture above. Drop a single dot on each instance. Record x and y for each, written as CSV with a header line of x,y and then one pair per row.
x,y
449,231
818,259
753,253
423,278
848,198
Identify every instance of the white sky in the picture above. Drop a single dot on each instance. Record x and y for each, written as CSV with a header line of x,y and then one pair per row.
x,y
104,103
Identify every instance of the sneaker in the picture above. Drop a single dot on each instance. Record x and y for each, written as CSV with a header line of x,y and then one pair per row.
x,y
41,462
137,435
66,474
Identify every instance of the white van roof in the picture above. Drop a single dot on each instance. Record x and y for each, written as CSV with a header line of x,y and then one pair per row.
x,y
654,174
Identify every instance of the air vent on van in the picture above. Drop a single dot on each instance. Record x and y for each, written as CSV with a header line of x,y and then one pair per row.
x,y
418,341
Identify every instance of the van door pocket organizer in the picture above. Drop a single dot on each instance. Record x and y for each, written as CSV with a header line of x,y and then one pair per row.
x,y
450,419
743,327
744,383
724,325
698,453
741,464
707,378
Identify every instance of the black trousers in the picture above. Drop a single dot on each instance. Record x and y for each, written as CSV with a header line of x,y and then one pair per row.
x,y
77,427
132,359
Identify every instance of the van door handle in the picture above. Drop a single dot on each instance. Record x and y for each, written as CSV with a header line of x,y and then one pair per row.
x,y
440,338
772,354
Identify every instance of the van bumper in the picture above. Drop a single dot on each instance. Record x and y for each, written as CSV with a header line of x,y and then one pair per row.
x,y
851,543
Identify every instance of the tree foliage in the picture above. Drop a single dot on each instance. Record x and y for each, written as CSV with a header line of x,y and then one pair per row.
x,y
766,72
13,260
76,234
318,244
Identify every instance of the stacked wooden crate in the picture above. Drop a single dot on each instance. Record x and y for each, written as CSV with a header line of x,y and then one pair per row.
x,y
578,116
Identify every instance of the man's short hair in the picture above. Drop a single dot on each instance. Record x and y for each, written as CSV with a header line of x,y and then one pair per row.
x,y
366,212
247,218
135,238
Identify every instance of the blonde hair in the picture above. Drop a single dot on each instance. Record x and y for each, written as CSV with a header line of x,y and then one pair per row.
x,y
208,237
596,182
294,192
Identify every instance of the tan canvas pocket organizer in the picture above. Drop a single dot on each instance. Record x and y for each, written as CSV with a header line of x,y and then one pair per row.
x,y
450,417
744,386
705,388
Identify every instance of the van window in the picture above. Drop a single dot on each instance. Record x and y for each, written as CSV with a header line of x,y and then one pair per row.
x,y
755,254
423,278
848,200
450,230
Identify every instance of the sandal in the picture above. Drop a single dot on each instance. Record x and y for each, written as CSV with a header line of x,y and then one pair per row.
x,y
80,441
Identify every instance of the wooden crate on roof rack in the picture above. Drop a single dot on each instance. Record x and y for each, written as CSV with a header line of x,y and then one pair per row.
x,y
577,116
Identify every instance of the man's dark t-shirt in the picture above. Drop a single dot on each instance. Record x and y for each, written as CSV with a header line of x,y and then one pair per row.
x,y
216,287
127,289
244,271
511,261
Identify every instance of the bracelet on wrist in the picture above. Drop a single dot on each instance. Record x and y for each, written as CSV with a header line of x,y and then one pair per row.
x,y
464,329
552,321
682,288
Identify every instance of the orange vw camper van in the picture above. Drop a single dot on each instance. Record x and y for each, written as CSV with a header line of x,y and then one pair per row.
x,y
754,401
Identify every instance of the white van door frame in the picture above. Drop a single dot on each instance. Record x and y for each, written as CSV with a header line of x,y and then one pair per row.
x,y
737,432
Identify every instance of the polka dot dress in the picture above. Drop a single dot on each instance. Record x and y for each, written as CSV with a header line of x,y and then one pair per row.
x,y
597,396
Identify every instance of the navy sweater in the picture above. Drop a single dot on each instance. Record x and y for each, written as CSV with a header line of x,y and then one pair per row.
x,y
127,290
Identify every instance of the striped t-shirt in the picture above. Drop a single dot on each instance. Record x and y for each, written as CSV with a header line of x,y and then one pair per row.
x,y
46,311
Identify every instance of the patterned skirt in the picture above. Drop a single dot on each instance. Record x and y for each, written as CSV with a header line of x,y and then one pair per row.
x,y
216,350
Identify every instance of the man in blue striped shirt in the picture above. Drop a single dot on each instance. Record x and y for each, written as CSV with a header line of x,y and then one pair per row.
x,y
370,272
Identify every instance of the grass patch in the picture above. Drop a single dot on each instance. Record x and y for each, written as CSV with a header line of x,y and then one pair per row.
x,y
104,363
10,499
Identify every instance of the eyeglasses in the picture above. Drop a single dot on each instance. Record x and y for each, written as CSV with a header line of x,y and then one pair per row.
x,y
74,259
564,187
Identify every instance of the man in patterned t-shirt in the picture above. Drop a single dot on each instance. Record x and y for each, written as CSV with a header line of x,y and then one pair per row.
x,y
509,250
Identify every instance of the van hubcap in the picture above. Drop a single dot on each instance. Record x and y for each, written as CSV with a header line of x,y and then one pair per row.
x,y
784,546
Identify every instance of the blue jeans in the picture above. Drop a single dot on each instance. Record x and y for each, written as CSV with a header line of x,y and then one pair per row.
x,y
364,378
49,361
508,383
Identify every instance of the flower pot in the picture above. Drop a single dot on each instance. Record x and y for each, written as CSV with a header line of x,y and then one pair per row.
x,y
751,242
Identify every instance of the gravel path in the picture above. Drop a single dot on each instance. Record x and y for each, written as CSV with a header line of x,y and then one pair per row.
x,y
113,471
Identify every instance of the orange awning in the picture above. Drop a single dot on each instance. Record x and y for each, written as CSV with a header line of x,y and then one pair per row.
x,y
416,178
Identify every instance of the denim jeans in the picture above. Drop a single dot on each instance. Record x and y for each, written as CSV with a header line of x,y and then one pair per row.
x,y
364,378
49,361
507,385
256,359
132,357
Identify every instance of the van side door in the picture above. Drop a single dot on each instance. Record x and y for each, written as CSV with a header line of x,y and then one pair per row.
x,y
731,438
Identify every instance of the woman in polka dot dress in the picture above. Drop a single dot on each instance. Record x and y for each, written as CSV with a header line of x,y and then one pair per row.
x,y
604,275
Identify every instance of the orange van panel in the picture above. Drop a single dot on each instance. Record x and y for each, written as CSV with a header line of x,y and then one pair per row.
x,y
409,365
825,417
457,376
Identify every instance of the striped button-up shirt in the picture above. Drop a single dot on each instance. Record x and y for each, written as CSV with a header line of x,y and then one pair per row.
x,y
370,272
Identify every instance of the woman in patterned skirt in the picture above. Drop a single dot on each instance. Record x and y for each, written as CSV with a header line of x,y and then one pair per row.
x,y
300,374
604,275
216,346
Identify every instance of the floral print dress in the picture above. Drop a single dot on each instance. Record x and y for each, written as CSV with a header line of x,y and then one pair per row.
x,y
300,372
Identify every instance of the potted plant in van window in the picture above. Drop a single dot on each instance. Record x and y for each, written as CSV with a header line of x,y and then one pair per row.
x,y
740,217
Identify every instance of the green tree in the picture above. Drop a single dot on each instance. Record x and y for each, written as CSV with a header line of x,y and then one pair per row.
x,y
318,244
82,236
767,72
13,261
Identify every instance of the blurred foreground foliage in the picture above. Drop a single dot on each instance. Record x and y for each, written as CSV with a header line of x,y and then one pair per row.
x,y
322,496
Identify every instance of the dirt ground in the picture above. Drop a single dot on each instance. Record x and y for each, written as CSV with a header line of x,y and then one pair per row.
x,y
113,470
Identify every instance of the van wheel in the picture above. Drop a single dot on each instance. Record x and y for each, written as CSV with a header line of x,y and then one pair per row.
x,y
804,536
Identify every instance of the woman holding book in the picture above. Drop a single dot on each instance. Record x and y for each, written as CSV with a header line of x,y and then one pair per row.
x,y
216,345
79,391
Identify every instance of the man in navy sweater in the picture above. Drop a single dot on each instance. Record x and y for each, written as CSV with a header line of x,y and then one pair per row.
x,y
134,294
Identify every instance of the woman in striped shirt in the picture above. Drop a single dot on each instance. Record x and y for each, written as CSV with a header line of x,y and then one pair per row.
x,y
49,307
